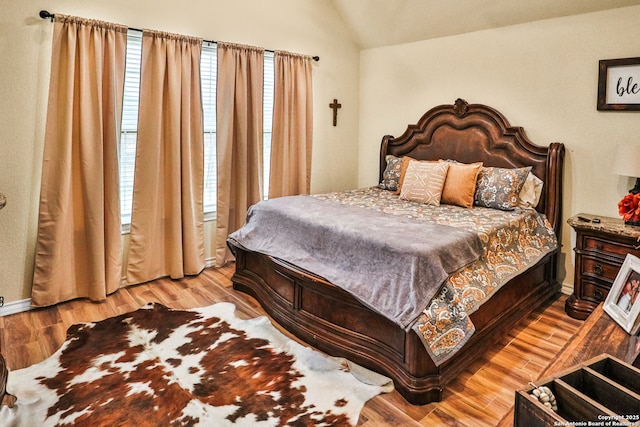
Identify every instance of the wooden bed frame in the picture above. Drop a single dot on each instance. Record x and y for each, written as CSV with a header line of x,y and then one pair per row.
x,y
333,321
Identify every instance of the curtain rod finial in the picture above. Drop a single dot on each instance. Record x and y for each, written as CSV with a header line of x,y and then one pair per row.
x,y
44,14
315,58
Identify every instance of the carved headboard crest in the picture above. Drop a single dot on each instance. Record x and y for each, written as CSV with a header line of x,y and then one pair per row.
x,y
460,107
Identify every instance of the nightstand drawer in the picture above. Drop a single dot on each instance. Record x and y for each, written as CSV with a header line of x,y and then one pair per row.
x,y
593,292
600,269
608,247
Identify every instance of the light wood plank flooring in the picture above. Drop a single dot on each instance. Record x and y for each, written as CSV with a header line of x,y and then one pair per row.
x,y
480,396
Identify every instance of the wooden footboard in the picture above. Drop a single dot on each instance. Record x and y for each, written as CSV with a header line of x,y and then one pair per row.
x,y
333,321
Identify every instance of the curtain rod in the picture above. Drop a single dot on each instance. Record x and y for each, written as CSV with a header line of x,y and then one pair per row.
x,y
44,14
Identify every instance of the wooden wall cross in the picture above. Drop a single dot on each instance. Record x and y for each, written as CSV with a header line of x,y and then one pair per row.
x,y
334,106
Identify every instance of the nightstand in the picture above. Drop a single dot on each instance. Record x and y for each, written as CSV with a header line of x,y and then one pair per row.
x,y
600,251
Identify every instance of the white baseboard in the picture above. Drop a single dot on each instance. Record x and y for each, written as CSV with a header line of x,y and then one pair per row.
x,y
15,307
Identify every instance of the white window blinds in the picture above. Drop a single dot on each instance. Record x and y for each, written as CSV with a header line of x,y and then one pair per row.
x,y
208,75
129,123
268,116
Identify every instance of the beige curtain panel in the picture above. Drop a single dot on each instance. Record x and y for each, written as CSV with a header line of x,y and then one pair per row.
x,y
78,245
239,139
291,140
167,235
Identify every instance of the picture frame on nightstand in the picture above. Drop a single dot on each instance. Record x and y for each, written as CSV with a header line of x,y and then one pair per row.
x,y
623,300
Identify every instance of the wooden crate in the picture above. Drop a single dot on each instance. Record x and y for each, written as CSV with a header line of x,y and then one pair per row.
x,y
604,391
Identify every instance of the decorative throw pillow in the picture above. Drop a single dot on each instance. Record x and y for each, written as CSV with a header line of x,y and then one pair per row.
x,y
391,174
531,191
460,185
499,188
423,182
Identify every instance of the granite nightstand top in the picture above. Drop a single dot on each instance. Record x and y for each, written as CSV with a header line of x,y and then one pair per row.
x,y
606,224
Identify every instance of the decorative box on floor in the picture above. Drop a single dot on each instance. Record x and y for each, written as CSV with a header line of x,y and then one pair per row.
x,y
603,391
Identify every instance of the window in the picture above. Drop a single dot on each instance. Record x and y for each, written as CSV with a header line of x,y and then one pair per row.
x,y
267,108
129,130
208,73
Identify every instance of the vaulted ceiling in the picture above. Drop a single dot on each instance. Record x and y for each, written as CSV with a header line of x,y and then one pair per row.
x,y
377,23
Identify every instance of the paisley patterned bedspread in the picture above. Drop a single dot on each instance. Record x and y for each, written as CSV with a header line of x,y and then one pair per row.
x,y
512,241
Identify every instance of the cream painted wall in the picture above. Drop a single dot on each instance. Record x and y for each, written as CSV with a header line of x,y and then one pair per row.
x,y
303,26
541,76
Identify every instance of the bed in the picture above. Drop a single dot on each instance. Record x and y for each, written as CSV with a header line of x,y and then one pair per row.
x,y
335,321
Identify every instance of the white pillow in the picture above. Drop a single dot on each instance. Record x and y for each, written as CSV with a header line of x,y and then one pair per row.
x,y
531,191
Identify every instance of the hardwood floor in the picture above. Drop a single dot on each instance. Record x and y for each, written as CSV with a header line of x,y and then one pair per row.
x,y
480,396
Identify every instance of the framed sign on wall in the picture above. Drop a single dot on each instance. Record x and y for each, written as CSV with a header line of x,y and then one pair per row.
x,y
619,84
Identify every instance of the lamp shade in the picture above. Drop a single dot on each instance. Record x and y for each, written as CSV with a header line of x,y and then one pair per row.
x,y
626,160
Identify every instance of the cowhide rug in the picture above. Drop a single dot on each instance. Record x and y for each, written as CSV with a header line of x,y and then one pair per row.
x,y
162,367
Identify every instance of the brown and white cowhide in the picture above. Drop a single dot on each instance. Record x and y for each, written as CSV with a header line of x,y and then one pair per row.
x,y
162,367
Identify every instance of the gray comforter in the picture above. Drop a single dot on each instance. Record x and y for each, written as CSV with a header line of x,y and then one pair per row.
x,y
392,264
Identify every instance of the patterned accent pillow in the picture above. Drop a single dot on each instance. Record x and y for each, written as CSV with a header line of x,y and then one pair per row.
x,y
423,182
391,174
499,188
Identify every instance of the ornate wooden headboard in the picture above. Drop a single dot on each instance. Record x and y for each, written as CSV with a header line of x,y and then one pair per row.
x,y
477,133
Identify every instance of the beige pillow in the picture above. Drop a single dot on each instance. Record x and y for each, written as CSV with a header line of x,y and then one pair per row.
x,y
460,185
531,191
423,182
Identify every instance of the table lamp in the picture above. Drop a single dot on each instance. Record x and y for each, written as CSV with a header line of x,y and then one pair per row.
x,y
626,162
